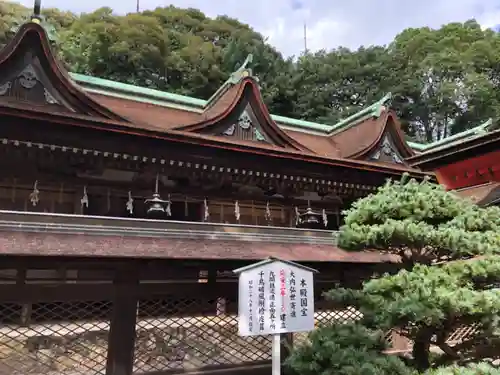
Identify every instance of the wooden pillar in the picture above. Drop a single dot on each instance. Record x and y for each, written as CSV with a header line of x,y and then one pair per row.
x,y
220,303
121,340
26,308
77,206
221,306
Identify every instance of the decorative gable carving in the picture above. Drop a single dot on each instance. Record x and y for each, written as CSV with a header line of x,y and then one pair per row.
x,y
31,75
237,112
246,128
387,152
27,82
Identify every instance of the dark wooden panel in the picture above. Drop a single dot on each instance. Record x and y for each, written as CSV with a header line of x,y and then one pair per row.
x,y
31,293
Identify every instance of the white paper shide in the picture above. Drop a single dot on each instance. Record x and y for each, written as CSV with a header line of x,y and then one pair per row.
x,y
275,297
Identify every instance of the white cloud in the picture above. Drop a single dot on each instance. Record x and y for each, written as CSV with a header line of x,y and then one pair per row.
x,y
330,23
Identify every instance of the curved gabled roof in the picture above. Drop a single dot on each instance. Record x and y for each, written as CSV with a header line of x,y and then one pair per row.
x,y
486,135
360,136
466,162
201,116
31,40
228,101
176,118
359,140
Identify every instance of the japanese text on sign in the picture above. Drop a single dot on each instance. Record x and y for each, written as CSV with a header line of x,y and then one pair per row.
x,y
250,304
283,316
293,295
283,302
272,300
262,301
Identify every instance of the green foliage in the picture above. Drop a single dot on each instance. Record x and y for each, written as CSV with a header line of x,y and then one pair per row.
x,y
443,80
345,350
446,77
421,222
449,280
448,247
474,369
333,85
172,49
434,299
13,15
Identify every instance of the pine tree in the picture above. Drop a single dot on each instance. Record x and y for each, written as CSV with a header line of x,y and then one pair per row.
x,y
348,349
450,269
474,369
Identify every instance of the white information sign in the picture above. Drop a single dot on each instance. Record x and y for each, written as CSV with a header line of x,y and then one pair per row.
x,y
275,297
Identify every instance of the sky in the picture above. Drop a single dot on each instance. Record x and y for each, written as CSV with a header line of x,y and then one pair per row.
x,y
330,23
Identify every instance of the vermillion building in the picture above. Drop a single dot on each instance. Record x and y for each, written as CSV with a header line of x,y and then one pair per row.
x,y
468,163
123,211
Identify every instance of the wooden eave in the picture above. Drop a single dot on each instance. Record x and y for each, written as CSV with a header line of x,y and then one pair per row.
x,y
231,99
254,148
436,158
482,195
360,140
47,234
82,245
32,36
320,144
367,132
152,116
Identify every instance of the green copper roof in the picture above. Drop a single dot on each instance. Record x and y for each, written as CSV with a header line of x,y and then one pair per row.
x,y
166,99
375,110
478,130
141,94
186,103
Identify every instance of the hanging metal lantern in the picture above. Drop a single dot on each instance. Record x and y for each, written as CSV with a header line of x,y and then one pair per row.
x,y
310,217
156,204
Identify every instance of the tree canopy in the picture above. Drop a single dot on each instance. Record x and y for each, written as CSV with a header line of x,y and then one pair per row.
x,y
422,223
443,80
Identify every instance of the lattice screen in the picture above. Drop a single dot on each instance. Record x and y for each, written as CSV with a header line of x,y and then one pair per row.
x,y
54,338
169,338
172,333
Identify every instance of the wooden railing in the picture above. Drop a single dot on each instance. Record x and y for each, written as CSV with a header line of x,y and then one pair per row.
x,y
100,225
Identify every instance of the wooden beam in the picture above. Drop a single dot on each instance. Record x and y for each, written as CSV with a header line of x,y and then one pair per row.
x,y
121,342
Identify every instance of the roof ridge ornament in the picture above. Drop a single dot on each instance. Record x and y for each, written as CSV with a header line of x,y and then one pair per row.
x,y
382,105
488,126
36,17
243,71
374,110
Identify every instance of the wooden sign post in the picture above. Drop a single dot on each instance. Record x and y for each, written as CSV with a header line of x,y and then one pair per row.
x,y
275,297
